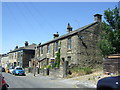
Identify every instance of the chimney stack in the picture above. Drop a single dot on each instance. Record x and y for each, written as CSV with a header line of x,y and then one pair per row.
x,y
56,35
97,18
69,28
39,44
16,47
26,43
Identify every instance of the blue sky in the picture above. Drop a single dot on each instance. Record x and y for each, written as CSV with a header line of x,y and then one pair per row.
x,y
36,22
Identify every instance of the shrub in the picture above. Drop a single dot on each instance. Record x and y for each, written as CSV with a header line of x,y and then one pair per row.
x,y
42,67
87,70
48,66
81,71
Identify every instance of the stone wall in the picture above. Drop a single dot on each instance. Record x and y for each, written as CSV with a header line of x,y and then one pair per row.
x,y
66,53
12,58
27,56
84,52
88,52
112,65
58,73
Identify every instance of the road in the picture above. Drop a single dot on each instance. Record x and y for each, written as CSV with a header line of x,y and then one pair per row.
x,y
29,81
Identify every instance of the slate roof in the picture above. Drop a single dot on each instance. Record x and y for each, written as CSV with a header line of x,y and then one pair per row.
x,y
29,47
70,34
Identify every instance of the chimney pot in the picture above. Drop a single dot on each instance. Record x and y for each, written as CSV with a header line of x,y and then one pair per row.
x,y
26,43
39,44
16,47
97,17
56,35
69,28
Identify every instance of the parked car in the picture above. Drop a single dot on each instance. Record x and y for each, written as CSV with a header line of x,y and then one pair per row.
x,y
18,71
11,70
109,83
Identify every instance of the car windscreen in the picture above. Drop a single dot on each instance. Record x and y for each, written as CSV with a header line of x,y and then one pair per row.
x,y
19,69
11,67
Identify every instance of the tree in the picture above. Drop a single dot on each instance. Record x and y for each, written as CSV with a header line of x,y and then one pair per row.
x,y
110,35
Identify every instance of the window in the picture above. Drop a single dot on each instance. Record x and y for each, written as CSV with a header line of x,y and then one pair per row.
x,y
15,55
69,58
12,56
63,60
39,52
47,62
21,55
18,63
57,46
48,48
42,50
69,43
15,64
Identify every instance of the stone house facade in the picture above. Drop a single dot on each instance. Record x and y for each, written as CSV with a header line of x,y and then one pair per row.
x,y
4,60
22,55
78,47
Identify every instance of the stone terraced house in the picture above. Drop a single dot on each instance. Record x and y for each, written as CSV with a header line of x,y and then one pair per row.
x,y
21,56
4,60
78,47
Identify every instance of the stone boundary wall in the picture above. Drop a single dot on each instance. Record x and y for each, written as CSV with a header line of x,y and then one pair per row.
x,y
58,73
111,65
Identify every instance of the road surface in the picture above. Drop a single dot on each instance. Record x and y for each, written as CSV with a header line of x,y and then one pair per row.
x,y
29,81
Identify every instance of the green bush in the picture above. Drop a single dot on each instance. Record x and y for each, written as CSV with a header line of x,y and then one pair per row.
x,y
53,65
42,67
81,71
58,59
87,70
48,66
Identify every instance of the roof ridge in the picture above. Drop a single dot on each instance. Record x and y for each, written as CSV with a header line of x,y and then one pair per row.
x,y
71,33
23,47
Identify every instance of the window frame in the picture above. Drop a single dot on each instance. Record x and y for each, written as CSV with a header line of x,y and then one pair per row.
x,y
41,49
69,43
56,46
48,48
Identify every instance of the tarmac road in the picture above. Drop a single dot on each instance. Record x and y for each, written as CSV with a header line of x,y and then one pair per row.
x,y
29,81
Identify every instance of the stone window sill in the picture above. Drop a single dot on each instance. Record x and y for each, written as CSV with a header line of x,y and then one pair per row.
x,y
69,50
